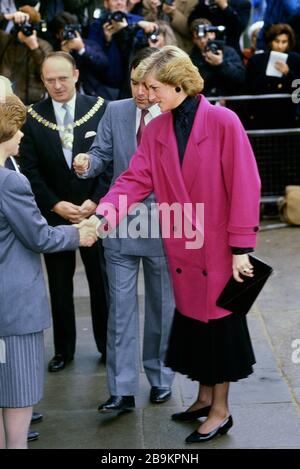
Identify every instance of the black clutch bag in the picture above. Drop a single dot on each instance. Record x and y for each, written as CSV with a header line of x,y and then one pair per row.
x,y
238,297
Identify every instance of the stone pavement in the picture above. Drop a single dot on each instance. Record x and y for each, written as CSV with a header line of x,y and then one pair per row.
x,y
265,407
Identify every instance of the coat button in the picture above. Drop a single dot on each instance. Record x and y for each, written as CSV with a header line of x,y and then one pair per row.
x,y
204,272
255,228
178,270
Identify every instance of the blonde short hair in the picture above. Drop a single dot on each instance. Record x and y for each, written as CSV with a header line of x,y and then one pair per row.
x,y
12,117
171,65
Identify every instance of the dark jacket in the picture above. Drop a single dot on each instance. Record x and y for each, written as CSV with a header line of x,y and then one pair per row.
x,y
235,18
220,80
272,113
43,162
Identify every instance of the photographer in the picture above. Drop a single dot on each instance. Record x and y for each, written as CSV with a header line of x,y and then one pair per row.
x,y
162,36
102,31
8,9
22,53
220,66
233,14
176,13
90,58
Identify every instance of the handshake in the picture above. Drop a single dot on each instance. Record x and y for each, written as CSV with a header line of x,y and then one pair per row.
x,y
88,231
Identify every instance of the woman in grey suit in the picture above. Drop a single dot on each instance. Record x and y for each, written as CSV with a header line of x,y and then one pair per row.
x,y
24,311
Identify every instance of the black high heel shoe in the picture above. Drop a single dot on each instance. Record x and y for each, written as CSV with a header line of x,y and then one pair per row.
x,y
222,429
193,415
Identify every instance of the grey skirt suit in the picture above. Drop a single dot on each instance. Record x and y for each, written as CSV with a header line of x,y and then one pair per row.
x,y
24,308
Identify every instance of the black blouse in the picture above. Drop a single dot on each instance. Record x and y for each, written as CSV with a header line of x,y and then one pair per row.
x,y
183,119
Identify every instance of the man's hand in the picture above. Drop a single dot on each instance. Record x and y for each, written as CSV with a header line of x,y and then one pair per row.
x,y
148,26
81,163
241,265
87,208
17,17
214,59
30,41
73,44
68,211
87,233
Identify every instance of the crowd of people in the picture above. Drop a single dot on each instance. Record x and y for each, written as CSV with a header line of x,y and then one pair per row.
x,y
117,105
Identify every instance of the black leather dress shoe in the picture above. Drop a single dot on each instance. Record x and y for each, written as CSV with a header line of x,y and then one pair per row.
x,y
222,429
192,415
159,395
31,436
117,404
36,417
58,362
103,358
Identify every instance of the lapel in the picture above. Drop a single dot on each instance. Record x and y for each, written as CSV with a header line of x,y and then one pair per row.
x,y
182,178
52,138
127,120
81,108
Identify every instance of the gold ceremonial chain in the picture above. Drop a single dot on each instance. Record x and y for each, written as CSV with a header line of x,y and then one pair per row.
x,y
64,128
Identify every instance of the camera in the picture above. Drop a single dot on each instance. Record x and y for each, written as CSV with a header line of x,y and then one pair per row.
x,y
70,30
211,4
214,46
202,29
108,17
28,28
154,35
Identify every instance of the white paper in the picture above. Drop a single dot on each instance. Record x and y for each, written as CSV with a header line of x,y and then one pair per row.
x,y
271,71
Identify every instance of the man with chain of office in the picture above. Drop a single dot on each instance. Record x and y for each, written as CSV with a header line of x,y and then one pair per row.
x,y
57,129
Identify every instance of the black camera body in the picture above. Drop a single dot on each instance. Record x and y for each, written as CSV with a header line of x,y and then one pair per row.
x,y
214,46
70,31
202,29
28,28
154,35
118,16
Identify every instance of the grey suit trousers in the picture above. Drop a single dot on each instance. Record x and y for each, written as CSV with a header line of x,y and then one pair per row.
x,y
123,322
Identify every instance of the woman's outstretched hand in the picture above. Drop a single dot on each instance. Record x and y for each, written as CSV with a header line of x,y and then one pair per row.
x,y
87,233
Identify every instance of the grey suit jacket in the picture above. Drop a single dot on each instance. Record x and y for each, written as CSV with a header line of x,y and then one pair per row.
x,y
116,141
24,234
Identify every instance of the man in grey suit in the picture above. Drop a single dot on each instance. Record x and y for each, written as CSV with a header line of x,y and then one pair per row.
x,y
116,141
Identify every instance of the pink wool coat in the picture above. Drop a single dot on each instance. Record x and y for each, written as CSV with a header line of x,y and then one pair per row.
x,y
219,170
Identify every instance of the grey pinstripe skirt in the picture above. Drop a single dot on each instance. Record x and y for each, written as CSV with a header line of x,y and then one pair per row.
x,y
21,370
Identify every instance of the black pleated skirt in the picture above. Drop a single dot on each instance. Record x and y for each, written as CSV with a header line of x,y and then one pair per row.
x,y
211,353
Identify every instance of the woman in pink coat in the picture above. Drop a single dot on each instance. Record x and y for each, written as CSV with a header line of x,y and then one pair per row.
x,y
193,154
